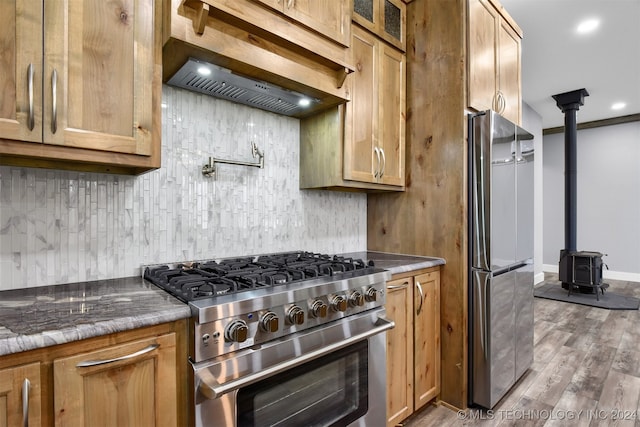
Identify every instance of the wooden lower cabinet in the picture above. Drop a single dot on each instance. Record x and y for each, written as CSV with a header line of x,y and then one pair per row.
x,y
20,385
399,308
132,384
426,338
413,346
126,379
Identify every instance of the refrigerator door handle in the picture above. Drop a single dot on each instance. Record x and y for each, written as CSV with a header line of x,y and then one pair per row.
x,y
479,196
481,283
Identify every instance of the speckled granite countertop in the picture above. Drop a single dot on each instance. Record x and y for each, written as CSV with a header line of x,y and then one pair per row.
x,y
40,317
397,263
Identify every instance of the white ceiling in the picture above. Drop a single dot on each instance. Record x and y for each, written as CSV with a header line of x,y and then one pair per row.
x,y
555,59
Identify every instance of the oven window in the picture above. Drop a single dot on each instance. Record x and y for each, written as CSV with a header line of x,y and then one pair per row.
x,y
329,391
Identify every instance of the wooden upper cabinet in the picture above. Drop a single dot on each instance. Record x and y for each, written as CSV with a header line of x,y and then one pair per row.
x,y
82,82
385,18
361,155
98,72
131,384
391,115
18,385
330,18
360,145
509,71
375,121
494,60
21,71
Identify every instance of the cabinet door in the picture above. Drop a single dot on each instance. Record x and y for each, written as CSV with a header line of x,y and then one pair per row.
x,y
399,308
482,58
330,18
385,18
16,385
427,337
509,71
394,22
132,384
98,73
361,156
21,70
367,13
391,117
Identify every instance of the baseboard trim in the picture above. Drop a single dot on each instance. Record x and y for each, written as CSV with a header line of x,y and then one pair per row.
x,y
538,278
606,274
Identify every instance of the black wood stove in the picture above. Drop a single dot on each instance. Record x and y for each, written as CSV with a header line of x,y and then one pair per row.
x,y
578,270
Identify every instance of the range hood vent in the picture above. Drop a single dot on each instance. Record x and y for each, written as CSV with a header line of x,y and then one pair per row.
x,y
210,79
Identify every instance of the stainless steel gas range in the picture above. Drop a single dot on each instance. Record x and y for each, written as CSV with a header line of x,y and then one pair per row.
x,y
288,339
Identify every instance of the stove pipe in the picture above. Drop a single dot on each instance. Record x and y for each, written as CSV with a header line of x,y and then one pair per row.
x,y
569,103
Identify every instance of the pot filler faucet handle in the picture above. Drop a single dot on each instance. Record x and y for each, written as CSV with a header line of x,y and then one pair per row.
x,y
209,170
256,152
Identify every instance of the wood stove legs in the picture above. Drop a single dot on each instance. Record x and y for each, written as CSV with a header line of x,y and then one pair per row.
x,y
600,287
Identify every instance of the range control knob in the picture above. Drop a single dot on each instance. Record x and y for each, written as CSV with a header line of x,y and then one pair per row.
x,y
318,309
236,331
338,303
269,322
356,299
371,294
295,315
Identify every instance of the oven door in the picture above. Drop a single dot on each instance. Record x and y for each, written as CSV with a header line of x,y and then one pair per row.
x,y
333,375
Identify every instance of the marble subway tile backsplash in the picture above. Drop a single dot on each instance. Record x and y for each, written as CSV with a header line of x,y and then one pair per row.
x,y
61,227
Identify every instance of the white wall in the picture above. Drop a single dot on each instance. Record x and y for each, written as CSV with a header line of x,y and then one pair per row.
x,y
532,122
59,227
608,193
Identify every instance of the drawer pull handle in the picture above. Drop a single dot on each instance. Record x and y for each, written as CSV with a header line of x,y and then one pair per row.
x,y
26,385
54,101
394,287
88,363
31,120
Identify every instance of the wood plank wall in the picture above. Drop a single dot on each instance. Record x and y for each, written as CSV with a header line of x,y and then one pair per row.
x,y
430,217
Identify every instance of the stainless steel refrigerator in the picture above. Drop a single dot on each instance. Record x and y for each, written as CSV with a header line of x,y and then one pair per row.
x,y
500,256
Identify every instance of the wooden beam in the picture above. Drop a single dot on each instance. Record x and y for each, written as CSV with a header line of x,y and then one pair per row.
x,y
596,124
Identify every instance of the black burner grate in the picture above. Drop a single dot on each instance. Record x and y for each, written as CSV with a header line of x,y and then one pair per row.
x,y
206,279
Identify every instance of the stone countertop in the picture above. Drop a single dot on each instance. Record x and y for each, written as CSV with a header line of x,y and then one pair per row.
x,y
397,263
39,317
44,316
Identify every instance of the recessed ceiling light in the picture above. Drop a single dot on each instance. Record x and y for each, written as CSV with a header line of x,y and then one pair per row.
x,y
618,106
587,26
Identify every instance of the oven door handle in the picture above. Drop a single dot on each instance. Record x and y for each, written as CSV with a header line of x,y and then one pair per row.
x,y
211,389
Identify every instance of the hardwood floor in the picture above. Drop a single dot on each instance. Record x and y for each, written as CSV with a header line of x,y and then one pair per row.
x,y
586,371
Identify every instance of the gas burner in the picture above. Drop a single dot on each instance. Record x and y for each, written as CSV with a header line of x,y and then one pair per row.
x,y
189,281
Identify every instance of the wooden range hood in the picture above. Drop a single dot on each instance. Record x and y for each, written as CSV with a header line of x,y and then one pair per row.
x,y
229,34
